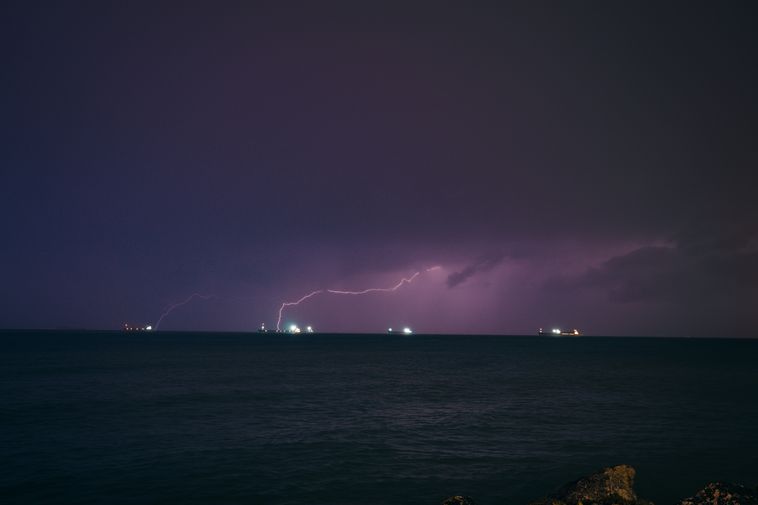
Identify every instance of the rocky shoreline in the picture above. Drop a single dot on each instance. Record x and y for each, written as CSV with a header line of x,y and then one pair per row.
x,y
615,486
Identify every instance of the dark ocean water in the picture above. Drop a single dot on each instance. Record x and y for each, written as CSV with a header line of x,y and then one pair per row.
x,y
354,419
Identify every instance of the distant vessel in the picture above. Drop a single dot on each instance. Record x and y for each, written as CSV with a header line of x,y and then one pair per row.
x,y
293,328
129,327
557,332
404,331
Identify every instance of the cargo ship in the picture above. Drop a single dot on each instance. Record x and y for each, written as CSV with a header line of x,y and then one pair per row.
x,y
129,327
557,332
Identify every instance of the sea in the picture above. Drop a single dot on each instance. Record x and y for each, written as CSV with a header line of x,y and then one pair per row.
x,y
277,419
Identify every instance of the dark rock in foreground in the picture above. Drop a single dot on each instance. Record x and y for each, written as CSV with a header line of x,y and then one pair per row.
x,y
615,486
609,486
720,493
459,500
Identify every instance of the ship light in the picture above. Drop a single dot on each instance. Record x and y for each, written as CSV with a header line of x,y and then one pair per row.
x,y
148,327
407,330
309,329
556,331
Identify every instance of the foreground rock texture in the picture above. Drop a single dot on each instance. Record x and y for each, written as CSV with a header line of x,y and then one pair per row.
x,y
459,500
720,493
609,486
615,486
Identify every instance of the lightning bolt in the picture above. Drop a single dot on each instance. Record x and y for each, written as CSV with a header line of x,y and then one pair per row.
x,y
176,305
289,304
403,281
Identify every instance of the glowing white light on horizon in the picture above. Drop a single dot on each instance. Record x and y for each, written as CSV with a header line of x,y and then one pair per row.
x,y
407,330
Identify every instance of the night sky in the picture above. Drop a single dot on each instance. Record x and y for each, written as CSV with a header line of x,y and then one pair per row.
x,y
573,164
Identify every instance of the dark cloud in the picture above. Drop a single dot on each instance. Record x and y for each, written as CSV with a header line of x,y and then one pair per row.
x,y
483,264
703,282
